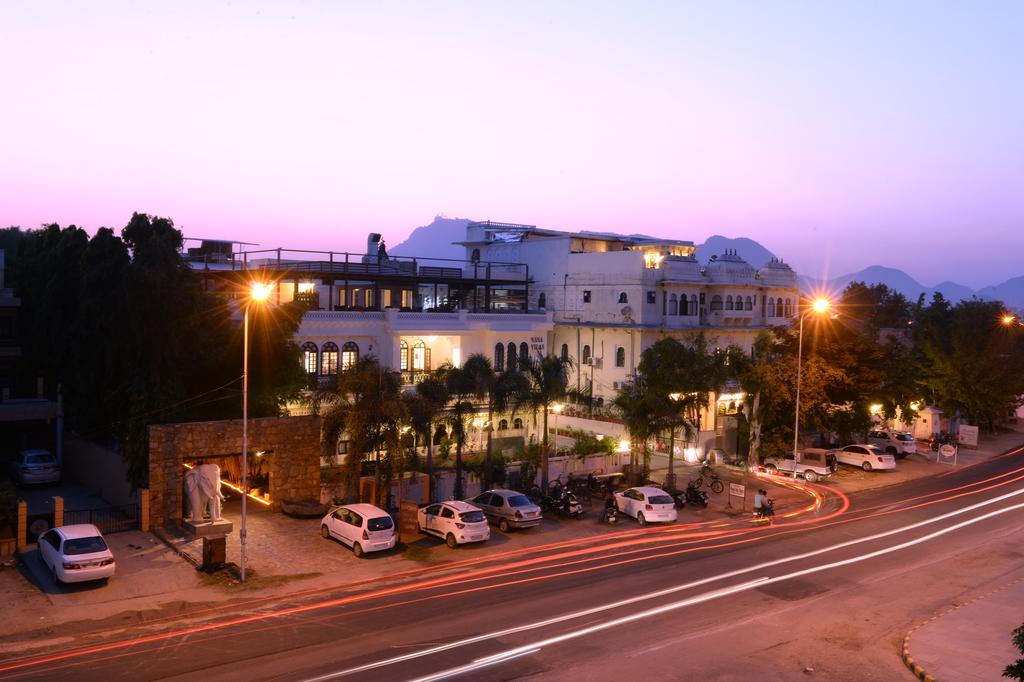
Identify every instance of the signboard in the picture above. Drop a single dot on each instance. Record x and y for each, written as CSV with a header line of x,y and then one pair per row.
x,y
407,527
947,450
737,490
969,435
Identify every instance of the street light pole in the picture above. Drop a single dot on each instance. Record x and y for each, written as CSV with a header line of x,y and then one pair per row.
x,y
245,436
799,374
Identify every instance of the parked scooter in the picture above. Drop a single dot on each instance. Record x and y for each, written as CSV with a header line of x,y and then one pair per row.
x,y
611,511
565,504
695,495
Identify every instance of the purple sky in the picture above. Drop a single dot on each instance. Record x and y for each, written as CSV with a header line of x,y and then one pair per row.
x,y
837,134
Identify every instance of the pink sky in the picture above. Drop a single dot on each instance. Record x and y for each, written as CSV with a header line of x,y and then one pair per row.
x,y
837,135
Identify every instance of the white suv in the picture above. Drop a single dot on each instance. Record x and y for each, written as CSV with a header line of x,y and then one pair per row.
x,y
896,443
814,464
363,527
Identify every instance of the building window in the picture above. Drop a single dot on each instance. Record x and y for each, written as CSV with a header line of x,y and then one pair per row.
x,y
779,309
586,295
716,302
728,303
517,423
673,305
513,361
565,352
748,303
503,425
623,298
620,357
652,297
542,301
403,355
475,256
693,304
309,357
524,353
499,357
789,309
349,355
420,357
586,355
771,307
329,358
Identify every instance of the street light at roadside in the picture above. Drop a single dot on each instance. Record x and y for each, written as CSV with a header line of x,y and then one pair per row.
x,y
557,409
259,292
819,306
1008,319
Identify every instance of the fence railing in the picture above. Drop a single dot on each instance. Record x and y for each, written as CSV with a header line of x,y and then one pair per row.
x,y
107,519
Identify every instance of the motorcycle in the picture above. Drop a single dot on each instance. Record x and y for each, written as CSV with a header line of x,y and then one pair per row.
x,y
566,504
765,512
678,497
611,512
695,495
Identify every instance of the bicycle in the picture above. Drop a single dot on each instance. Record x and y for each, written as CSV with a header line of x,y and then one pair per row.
x,y
709,476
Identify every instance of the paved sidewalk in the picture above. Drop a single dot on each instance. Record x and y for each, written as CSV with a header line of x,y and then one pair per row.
x,y
971,641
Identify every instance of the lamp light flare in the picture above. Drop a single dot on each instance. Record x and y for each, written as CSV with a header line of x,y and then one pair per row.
x,y
821,305
1009,319
260,291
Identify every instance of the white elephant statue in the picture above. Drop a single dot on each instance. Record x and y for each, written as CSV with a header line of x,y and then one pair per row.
x,y
202,486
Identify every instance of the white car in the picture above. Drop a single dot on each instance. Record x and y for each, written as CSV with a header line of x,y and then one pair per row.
x,y
363,527
896,443
455,522
76,553
647,504
35,466
867,457
814,465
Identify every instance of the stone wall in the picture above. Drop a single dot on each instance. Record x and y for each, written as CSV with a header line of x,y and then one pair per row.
x,y
293,444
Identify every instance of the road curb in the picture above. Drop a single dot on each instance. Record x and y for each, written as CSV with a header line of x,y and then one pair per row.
x,y
909,661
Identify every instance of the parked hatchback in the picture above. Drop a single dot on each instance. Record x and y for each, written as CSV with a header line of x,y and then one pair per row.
x,y
867,457
76,553
35,466
896,443
362,527
454,522
508,509
647,503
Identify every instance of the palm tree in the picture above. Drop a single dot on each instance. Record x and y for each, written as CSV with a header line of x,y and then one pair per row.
x,y
645,413
365,403
541,382
424,407
481,374
461,386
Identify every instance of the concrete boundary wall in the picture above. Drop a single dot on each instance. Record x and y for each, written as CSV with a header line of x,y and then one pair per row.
x,y
99,469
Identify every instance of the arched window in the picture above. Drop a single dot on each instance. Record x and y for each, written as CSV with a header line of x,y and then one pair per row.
x,y
420,357
475,256
499,357
789,310
779,309
503,425
329,358
728,303
403,355
623,298
620,357
693,304
565,351
716,302
771,307
748,303
517,423
349,355
309,357
586,355
513,361
673,305
542,301
524,353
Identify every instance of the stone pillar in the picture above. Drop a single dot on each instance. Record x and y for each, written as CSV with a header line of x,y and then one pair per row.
x,y
144,509
58,511
22,525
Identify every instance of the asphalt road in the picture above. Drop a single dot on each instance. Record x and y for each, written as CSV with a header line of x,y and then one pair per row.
x,y
828,595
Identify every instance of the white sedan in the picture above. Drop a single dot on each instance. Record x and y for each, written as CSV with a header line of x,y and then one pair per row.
x,y
647,504
76,553
362,527
867,457
455,522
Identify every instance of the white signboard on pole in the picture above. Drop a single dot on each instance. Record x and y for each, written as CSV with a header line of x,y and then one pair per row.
x,y
737,490
969,435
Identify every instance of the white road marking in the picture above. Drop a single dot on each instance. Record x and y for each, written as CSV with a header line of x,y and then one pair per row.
x,y
677,588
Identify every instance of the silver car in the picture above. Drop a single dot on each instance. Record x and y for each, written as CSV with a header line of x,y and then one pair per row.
x,y
508,509
36,466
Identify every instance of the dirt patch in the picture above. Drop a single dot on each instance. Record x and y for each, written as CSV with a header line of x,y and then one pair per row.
x,y
228,579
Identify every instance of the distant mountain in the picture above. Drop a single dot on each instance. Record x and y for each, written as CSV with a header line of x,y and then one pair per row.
x,y
435,240
747,249
875,274
1010,292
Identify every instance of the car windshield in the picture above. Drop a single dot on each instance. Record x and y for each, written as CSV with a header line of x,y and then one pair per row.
x,y
39,458
380,523
84,546
905,437
519,501
660,499
472,516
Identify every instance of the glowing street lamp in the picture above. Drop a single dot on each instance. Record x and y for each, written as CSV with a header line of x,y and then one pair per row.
x,y
819,306
1008,319
557,409
259,292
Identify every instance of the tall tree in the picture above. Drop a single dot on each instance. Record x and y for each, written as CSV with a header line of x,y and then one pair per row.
x,y
480,371
462,388
425,407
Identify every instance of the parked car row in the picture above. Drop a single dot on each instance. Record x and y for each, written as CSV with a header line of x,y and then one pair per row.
x,y
879,454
